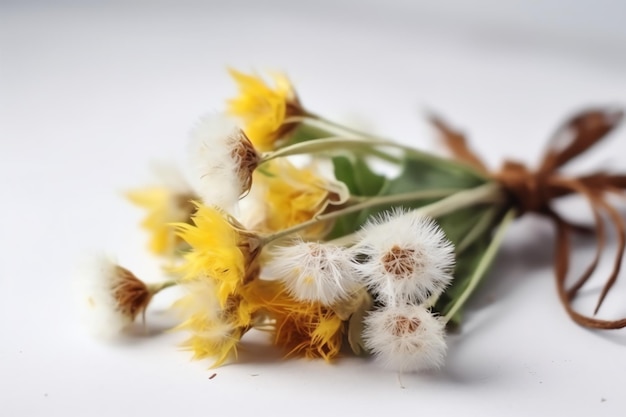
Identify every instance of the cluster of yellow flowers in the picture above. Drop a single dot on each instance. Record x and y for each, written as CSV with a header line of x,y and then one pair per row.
x,y
221,268
297,247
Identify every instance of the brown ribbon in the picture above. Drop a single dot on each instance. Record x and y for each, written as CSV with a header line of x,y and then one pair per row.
x,y
534,191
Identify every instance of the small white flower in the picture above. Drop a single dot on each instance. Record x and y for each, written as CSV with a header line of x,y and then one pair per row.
x,y
222,161
314,271
405,338
110,296
405,257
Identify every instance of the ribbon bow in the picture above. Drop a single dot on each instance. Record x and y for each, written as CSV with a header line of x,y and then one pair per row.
x,y
535,190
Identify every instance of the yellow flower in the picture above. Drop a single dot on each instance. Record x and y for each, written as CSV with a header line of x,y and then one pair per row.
x,y
305,328
221,348
291,195
222,260
215,330
218,251
164,206
263,109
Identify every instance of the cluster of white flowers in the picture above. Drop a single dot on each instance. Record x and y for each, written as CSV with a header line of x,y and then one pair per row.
x,y
407,261
404,260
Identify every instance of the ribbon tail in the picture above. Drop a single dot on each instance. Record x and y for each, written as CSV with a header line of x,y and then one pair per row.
x,y
598,230
578,134
562,251
561,263
457,144
621,245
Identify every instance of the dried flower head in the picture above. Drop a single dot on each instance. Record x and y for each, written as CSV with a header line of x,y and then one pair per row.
x,y
286,195
168,202
219,250
221,261
111,295
405,338
313,271
265,110
223,160
215,328
302,327
406,257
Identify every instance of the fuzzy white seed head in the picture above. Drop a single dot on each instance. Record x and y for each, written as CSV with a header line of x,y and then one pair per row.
x,y
222,161
109,296
405,338
405,258
314,271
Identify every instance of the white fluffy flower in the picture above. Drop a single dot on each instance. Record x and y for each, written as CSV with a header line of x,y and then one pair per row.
x,y
314,271
110,296
405,257
222,161
405,338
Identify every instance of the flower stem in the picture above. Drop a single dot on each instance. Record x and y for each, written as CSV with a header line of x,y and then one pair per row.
x,y
454,200
486,193
481,226
337,128
327,144
340,143
482,266
319,122
158,287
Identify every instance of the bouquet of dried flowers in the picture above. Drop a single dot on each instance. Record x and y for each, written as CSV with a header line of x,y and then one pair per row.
x,y
293,224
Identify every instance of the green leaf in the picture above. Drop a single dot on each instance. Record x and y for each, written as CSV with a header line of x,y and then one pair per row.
x,y
358,176
458,224
415,175
344,172
472,266
367,181
429,174
466,263
361,180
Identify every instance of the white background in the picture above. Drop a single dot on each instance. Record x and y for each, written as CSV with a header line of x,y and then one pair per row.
x,y
91,92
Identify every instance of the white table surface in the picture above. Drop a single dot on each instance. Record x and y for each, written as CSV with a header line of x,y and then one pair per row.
x,y
91,94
